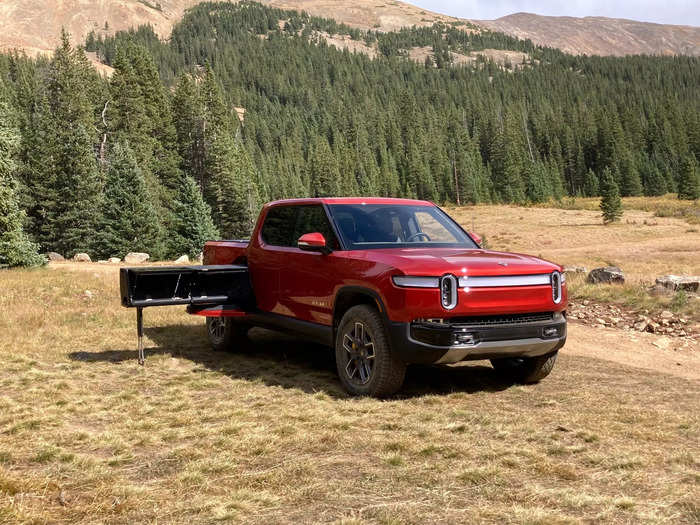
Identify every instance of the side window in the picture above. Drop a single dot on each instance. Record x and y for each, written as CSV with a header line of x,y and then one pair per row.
x,y
278,229
285,224
312,219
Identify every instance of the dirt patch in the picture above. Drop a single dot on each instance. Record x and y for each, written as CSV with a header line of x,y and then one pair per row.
x,y
679,357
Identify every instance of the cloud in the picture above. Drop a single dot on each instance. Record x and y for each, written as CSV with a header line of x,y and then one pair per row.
x,y
685,12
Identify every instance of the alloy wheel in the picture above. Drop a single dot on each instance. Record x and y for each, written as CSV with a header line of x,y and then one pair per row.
x,y
359,349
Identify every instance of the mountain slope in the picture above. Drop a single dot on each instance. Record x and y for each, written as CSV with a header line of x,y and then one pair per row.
x,y
599,35
35,27
31,25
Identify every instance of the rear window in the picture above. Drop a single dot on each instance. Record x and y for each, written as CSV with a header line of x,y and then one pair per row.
x,y
285,224
279,226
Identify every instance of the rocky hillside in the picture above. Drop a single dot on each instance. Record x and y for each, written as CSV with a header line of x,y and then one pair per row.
x,y
34,26
600,36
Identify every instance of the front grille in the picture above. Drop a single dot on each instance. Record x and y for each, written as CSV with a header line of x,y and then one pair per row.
x,y
501,320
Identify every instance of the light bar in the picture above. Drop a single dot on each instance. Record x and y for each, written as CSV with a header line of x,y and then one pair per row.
x,y
504,281
411,281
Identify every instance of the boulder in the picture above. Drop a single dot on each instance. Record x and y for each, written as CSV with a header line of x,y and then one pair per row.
x,y
674,283
114,260
575,269
136,258
607,275
55,257
182,260
82,257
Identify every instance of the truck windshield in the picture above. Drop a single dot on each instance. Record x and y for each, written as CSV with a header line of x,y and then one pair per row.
x,y
367,226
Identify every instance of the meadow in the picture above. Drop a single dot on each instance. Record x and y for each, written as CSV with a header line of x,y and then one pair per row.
x,y
266,435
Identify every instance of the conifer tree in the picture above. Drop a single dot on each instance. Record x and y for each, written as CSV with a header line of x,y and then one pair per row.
x,y
688,183
654,181
590,185
192,225
16,249
129,222
76,177
323,170
237,200
610,204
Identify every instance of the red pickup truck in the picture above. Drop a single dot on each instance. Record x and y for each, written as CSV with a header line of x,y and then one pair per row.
x,y
387,283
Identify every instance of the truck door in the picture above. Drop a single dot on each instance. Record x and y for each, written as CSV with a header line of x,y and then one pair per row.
x,y
267,260
308,279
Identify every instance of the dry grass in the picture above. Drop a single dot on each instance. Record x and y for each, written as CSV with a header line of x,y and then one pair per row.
x,y
267,436
643,244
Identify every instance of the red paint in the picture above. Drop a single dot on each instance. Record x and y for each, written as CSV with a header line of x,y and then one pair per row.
x,y
220,312
312,242
304,285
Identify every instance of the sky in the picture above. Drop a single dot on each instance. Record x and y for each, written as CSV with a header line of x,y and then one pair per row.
x,y
684,12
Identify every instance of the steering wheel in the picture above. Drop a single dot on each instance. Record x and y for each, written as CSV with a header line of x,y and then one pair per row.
x,y
417,235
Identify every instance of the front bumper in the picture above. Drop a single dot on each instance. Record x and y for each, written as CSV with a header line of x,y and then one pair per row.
x,y
462,340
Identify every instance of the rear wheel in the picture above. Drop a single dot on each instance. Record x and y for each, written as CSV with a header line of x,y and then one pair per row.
x,y
526,369
365,362
225,335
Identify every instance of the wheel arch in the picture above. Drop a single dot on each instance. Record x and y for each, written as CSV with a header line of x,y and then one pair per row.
x,y
350,296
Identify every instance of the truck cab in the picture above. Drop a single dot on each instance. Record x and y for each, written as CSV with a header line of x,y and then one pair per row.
x,y
389,283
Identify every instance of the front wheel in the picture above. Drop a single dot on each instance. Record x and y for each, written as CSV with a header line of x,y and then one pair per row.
x,y
363,356
526,369
225,335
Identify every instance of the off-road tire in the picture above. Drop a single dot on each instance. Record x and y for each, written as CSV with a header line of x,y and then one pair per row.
x,y
226,338
387,372
526,370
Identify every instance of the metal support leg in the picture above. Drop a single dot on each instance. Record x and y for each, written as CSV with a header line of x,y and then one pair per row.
x,y
139,330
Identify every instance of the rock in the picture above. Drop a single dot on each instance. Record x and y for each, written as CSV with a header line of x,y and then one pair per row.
x,y
200,258
136,258
182,260
666,315
600,321
575,269
663,343
82,257
674,283
641,326
114,260
607,275
55,257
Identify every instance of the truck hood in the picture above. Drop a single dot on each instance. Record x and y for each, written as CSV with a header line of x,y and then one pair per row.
x,y
439,261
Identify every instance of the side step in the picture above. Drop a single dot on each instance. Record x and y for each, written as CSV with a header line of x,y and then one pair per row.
x,y
219,291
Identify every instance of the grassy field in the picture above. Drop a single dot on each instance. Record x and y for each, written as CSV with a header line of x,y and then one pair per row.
x,y
267,436
643,244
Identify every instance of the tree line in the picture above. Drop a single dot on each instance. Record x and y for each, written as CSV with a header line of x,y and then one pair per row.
x,y
155,157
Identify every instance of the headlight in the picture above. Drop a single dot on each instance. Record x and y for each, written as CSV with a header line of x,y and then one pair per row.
x,y
411,281
556,287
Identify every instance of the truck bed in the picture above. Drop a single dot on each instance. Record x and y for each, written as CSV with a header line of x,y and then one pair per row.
x,y
226,252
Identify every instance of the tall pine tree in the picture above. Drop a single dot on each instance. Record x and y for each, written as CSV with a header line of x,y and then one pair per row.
x,y
192,225
610,204
75,172
688,183
16,249
129,222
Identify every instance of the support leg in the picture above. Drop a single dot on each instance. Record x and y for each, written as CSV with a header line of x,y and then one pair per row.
x,y
139,331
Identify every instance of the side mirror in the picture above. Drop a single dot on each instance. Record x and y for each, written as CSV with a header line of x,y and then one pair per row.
x,y
313,242
476,238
